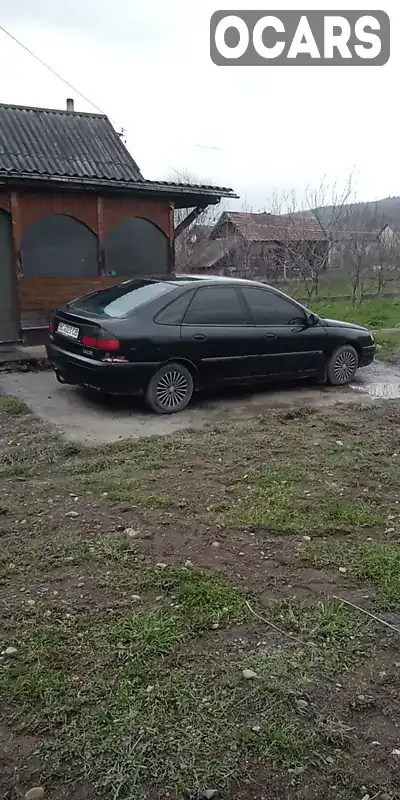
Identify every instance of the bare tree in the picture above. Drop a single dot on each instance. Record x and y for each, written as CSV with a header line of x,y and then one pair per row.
x,y
193,234
305,237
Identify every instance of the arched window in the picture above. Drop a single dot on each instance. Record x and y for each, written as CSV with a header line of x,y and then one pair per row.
x,y
59,246
136,247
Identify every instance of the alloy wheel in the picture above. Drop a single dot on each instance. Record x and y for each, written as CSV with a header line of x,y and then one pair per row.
x,y
345,366
172,389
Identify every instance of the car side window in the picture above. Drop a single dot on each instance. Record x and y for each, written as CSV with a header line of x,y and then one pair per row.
x,y
268,308
219,305
174,312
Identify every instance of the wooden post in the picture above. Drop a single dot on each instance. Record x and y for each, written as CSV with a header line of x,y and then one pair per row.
x,y
16,232
102,267
171,242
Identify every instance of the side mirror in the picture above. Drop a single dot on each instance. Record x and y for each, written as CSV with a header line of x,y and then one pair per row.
x,y
313,319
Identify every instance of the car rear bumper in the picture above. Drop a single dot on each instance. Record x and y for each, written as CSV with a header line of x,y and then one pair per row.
x,y
367,355
125,378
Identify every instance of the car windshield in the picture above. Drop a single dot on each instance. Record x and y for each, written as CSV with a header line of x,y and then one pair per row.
x,y
119,301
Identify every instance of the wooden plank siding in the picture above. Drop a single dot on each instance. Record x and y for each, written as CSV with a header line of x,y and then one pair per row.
x,y
38,296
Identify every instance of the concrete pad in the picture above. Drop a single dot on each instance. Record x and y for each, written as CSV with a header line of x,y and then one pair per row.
x,y
81,419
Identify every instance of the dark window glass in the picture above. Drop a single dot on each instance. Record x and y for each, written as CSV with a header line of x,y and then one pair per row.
x,y
215,306
136,247
175,311
121,301
268,308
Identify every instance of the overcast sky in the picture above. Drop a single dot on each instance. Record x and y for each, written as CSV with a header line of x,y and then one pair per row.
x,y
146,63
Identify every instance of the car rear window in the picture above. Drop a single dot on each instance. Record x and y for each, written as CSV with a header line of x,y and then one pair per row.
x,y
122,300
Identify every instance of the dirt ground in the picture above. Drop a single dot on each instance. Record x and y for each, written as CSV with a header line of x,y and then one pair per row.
x,y
175,617
84,420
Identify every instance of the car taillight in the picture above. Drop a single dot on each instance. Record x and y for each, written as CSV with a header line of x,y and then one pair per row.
x,y
52,326
100,344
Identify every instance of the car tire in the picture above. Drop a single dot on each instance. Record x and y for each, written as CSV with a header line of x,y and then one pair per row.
x,y
170,389
342,365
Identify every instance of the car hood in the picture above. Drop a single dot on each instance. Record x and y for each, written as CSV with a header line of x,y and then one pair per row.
x,y
336,323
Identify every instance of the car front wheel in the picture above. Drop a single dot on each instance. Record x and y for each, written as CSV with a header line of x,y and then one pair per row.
x,y
170,389
342,365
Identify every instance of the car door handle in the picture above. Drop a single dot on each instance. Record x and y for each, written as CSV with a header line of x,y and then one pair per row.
x,y
270,335
198,336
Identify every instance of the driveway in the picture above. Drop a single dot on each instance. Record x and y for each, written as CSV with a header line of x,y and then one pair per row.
x,y
79,419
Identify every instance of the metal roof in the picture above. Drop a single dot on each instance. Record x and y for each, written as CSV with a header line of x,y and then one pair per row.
x,y
62,144
40,144
209,252
263,227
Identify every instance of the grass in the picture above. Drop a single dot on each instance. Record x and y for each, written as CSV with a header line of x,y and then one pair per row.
x,y
135,708
388,345
382,313
273,491
374,562
13,406
128,677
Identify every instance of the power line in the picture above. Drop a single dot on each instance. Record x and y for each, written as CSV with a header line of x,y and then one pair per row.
x,y
53,71
83,96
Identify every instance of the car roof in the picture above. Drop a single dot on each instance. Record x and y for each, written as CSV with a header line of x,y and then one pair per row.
x,y
183,280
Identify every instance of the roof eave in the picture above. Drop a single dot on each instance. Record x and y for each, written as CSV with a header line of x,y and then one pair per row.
x,y
182,196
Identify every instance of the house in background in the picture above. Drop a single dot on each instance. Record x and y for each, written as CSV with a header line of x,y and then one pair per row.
x,y
76,214
260,245
375,247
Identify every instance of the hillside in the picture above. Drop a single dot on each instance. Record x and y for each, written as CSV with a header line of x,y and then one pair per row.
x,y
361,216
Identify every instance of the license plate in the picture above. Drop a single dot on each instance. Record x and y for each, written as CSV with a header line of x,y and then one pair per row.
x,y
68,330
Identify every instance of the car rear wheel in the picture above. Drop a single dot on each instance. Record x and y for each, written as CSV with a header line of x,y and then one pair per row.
x,y
342,365
170,389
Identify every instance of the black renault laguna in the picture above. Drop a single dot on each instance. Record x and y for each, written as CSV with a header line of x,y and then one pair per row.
x,y
168,337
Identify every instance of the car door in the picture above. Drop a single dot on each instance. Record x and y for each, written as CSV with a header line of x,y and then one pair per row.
x,y
285,342
215,333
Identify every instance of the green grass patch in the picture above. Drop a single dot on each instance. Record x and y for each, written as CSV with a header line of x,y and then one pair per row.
x,y
276,498
388,345
138,708
377,562
381,313
293,472
13,406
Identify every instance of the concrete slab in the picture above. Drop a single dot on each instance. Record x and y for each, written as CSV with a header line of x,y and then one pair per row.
x,y
81,419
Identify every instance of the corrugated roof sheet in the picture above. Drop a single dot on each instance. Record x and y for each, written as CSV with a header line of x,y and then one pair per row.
x,y
209,252
62,144
265,227
39,144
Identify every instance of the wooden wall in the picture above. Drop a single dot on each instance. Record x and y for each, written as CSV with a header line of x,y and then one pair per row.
x,y
38,296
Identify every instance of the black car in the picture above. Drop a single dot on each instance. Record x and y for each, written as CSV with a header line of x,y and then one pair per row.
x,y
170,336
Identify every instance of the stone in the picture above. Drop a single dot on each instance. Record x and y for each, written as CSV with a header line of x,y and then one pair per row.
x,y
215,544
306,538
72,514
161,565
302,705
248,674
10,651
36,793
210,793
188,564
343,570
133,533
136,598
